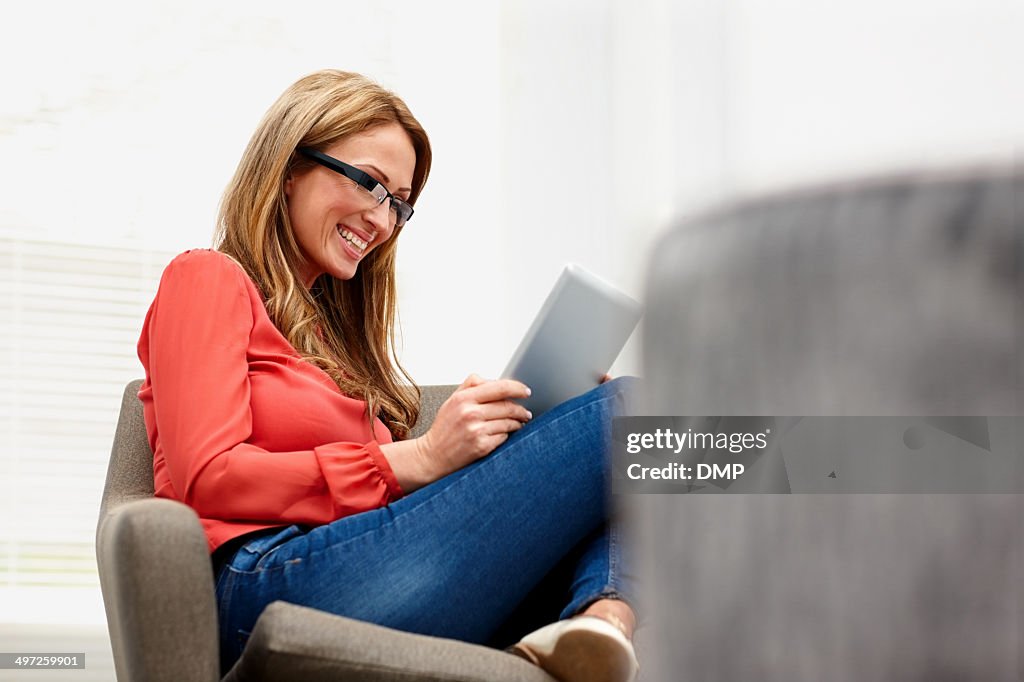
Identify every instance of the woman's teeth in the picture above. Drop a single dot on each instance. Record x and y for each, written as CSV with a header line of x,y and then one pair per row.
x,y
352,239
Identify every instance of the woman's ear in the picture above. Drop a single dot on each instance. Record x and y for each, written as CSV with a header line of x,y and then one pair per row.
x,y
288,186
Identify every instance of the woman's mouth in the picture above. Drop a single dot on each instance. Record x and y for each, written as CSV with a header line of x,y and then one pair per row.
x,y
355,242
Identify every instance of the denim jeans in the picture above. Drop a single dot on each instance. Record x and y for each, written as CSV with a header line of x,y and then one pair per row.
x,y
517,539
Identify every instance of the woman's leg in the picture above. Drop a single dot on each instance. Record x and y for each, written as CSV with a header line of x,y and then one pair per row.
x,y
546,602
454,558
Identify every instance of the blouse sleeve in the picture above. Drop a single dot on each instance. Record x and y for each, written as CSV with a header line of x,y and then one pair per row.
x,y
193,346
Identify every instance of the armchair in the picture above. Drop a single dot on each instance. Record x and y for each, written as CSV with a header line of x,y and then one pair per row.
x,y
157,584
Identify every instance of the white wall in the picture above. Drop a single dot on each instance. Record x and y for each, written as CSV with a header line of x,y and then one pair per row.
x,y
566,130
841,87
563,131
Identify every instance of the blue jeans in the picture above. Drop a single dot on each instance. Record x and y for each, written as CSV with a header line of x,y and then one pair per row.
x,y
515,540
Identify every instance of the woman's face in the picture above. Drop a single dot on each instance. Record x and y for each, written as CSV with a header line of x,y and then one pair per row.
x,y
334,225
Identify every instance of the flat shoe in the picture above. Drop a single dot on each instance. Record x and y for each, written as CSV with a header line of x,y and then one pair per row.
x,y
581,649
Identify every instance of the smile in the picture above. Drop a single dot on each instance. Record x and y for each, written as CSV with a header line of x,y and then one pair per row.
x,y
352,239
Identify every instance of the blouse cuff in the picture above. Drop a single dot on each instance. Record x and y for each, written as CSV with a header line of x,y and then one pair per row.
x,y
386,472
358,477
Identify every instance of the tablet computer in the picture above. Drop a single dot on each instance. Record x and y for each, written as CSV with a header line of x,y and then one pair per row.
x,y
573,341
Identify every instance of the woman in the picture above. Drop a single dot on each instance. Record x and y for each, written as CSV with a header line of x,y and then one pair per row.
x,y
276,410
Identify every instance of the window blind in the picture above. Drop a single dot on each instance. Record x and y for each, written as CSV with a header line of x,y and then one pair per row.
x,y
70,316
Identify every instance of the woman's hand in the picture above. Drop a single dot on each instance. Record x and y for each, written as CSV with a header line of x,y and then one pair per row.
x,y
475,419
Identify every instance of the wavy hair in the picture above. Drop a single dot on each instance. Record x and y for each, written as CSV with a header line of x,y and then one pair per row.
x,y
344,327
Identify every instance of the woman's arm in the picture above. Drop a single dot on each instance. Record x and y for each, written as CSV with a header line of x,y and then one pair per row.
x,y
194,348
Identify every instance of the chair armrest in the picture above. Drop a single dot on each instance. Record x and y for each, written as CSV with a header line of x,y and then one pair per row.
x,y
159,598
293,642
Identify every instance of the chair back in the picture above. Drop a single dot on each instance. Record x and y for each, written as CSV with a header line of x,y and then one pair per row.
x,y
154,567
130,472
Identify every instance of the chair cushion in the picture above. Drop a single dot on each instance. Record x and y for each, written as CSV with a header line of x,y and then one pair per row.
x,y
431,399
293,642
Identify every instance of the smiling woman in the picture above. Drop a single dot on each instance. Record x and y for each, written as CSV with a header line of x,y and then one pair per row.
x,y
325,318
276,409
338,219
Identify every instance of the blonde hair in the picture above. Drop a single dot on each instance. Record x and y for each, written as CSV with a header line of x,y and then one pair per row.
x,y
347,328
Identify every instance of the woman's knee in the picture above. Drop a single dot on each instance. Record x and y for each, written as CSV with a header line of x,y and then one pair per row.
x,y
626,390
625,384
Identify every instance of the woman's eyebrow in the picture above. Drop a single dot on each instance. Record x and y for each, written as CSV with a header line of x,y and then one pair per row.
x,y
384,176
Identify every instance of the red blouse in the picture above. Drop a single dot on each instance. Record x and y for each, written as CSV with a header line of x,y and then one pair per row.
x,y
242,429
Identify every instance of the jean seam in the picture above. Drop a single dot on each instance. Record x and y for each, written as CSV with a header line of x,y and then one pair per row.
x,y
613,555
610,590
261,568
257,568
224,598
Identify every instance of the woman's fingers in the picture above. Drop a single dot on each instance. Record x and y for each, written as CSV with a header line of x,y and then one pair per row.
x,y
505,409
506,426
472,380
499,389
496,440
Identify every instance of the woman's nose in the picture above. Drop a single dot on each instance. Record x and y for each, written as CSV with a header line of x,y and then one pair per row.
x,y
380,218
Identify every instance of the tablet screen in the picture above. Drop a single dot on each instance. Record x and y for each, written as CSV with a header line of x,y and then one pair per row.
x,y
573,341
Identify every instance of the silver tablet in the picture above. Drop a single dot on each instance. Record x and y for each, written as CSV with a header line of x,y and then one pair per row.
x,y
573,341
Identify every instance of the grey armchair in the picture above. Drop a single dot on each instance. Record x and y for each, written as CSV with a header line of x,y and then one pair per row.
x,y
895,296
157,583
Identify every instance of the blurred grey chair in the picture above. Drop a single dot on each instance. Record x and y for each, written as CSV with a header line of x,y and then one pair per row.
x,y
157,582
894,296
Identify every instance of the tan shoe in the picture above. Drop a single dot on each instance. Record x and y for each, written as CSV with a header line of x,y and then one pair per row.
x,y
581,649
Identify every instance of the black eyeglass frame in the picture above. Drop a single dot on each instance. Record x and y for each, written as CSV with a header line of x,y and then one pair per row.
x,y
364,180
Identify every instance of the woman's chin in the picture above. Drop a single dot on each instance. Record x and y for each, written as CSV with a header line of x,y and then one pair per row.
x,y
344,271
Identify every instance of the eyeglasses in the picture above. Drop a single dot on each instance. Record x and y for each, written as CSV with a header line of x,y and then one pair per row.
x,y
401,210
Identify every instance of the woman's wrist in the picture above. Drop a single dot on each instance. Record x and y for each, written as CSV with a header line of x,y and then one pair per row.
x,y
410,462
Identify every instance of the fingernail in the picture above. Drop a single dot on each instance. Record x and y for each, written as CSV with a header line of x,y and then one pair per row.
x,y
528,391
529,415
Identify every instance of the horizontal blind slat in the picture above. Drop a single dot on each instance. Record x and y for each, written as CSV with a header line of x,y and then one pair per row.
x,y
70,318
